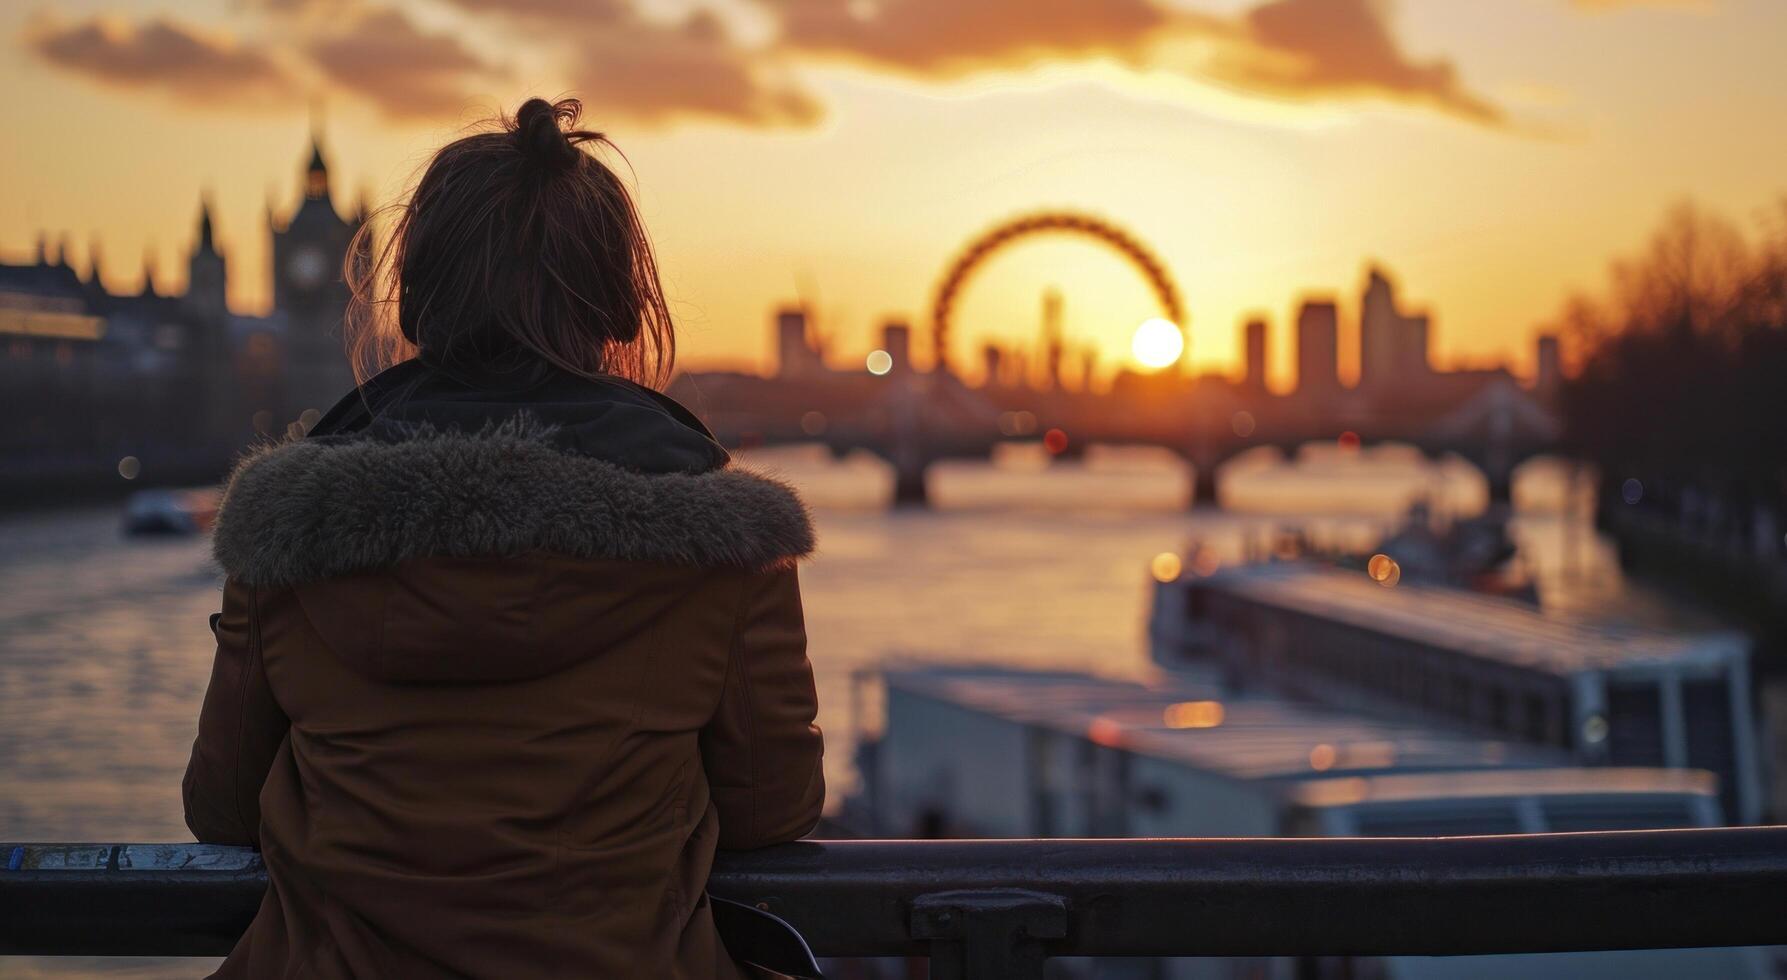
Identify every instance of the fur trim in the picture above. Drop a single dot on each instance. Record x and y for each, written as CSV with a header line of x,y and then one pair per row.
x,y
315,509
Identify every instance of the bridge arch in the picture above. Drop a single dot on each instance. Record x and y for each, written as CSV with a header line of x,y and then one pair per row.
x,y
1040,222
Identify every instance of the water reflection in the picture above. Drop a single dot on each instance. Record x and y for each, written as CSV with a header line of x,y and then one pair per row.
x,y
106,653
104,650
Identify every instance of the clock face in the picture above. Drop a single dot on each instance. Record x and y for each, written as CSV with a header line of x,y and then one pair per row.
x,y
308,267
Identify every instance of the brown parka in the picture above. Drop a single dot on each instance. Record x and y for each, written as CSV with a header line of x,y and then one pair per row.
x,y
488,702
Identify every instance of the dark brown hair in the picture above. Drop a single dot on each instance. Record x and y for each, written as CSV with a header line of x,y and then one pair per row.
x,y
515,241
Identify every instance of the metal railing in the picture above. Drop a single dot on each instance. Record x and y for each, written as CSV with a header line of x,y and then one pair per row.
x,y
998,908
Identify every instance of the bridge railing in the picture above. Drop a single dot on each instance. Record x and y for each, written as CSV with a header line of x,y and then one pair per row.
x,y
998,908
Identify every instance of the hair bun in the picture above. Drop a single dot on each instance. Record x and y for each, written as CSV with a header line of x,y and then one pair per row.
x,y
539,136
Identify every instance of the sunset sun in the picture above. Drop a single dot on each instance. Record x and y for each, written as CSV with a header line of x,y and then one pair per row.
x,y
1157,343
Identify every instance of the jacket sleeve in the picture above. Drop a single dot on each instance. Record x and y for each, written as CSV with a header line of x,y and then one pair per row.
x,y
761,750
240,729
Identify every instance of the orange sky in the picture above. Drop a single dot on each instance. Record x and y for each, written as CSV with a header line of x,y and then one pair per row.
x,y
1494,156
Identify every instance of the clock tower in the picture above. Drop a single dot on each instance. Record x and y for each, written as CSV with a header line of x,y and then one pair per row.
x,y
310,294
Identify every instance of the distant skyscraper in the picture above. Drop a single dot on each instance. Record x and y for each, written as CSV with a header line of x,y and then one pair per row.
x,y
1318,350
1550,371
896,339
1377,331
795,355
993,361
1254,342
1413,363
1051,342
1392,346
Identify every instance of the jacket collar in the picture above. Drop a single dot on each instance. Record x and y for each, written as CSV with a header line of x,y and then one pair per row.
x,y
604,416
321,508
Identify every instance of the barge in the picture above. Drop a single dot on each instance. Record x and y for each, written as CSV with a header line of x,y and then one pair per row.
x,y
1605,696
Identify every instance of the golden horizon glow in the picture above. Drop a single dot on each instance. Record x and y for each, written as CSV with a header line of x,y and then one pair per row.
x,y
1252,202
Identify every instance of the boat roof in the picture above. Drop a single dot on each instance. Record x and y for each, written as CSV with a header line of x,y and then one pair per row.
x,y
1308,756
1479,626
1246,738
1484,784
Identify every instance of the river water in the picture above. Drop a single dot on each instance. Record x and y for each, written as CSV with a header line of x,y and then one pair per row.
x,y
105,650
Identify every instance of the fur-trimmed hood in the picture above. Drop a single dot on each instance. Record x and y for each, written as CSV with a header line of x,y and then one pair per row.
x,y
321,508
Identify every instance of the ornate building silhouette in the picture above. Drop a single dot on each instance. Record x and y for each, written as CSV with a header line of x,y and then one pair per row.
x,y
310,292
175,382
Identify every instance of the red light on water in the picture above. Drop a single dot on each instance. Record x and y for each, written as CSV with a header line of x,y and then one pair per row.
x,y
1105,732
1055,441
1349,441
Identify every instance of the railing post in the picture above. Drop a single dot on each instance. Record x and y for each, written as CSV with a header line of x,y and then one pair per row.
x,y
995,935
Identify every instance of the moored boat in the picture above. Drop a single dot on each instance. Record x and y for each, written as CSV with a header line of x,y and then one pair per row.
x,y
1000,752
1620,696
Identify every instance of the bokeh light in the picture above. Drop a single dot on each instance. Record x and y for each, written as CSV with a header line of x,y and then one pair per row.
x,y
1055,441
1384,570
1193,714
1594,729
130,467
879,362
1631,491
1018,423
1105,732
1166,567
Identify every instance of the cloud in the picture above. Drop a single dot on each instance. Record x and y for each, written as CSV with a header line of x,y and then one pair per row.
x,y
660,70
1301,49
383,57
1597,6
950,37
374,53
561,11
658,73
159,54
625,66
1314,49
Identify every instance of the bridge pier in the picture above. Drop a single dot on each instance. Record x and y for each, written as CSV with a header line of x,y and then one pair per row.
x,y
910,489
1498,465
1501,492
1203,486
911,456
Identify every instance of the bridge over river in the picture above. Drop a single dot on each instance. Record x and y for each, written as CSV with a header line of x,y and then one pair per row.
x,y
914,419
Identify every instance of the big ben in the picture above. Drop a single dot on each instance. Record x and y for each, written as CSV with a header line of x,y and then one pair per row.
x,y
310,294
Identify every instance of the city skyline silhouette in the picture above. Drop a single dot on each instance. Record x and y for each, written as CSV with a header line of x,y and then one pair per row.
x,y
845,183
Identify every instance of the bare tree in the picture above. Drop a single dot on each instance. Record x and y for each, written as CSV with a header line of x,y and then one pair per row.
x,y
1682,364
